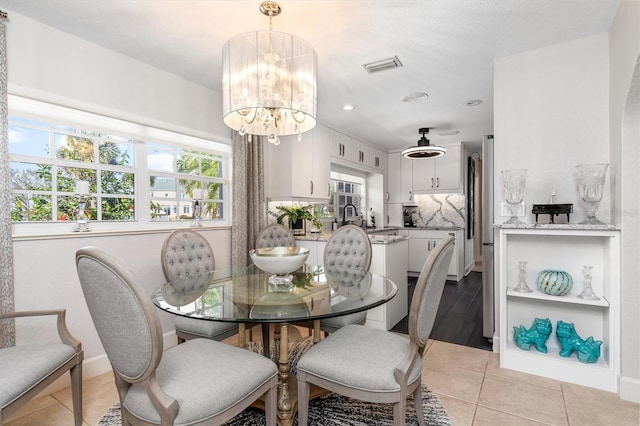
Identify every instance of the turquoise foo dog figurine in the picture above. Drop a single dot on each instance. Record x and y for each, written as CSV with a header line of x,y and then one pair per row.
x,y
537,335
588,350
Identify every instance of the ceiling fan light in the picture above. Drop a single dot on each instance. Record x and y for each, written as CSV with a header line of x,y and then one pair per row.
x,y
417,152
424,149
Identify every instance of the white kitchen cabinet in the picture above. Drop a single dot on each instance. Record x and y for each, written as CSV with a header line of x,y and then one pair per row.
x,y
421,242
340,145
399,173
375,158
299,169
350,151
359,152
316,251
388,260
565,248
439,175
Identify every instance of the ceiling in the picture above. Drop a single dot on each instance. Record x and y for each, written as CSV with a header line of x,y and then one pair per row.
x,y
447,48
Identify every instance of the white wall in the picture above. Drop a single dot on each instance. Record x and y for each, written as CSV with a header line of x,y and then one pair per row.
x,y
561,106
624,56
551,114
51,65
45,278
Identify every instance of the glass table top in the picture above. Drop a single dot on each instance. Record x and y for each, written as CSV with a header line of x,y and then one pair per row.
x,y
245,295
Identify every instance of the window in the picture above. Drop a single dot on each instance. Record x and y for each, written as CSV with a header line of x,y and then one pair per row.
x,y
345,192
135,173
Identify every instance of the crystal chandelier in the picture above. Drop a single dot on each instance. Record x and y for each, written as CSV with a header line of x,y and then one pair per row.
x,y
269,82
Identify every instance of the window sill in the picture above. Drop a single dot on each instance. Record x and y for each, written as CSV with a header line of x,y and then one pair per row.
x,y
54,231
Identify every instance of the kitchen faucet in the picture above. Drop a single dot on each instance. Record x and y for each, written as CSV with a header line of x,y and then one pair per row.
x,y
344,212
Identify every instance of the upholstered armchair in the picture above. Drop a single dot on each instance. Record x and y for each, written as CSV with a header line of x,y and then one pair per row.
x,y
188,253
275,235
27,369
387,367
201,381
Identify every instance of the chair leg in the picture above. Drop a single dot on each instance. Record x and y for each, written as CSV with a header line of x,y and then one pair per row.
x,y
399,414
303,402
417,400
242,335
266,340
76,392
271,407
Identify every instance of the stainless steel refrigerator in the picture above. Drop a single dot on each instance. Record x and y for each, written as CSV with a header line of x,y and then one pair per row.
x,y
488,325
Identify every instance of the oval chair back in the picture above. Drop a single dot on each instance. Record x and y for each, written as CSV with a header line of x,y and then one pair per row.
x,y
275,235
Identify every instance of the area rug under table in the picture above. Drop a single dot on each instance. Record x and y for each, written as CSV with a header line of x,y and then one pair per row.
x,y
331,409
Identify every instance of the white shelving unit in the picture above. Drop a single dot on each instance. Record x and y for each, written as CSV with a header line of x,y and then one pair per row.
x,y
568,248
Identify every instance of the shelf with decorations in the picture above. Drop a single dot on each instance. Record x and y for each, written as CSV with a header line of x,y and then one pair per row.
x,y
568,250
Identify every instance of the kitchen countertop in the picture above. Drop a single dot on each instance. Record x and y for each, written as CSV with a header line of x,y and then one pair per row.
x,y
434,228
375,239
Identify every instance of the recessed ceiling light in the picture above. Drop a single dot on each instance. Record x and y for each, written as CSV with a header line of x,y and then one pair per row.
x,y
473,102
348,107
416,97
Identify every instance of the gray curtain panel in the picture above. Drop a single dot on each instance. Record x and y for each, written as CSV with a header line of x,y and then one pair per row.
x,y
7,327
249,206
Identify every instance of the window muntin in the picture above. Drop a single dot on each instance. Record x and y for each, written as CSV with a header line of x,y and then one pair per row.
x,y
48,156
343,193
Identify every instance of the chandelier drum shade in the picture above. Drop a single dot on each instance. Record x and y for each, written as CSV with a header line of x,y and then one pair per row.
x,y
269,84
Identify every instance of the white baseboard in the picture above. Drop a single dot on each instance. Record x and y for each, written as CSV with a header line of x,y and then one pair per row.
x,y
496,343
630,389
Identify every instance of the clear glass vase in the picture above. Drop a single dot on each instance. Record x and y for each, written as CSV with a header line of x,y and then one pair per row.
x,y
522,286
514,184
587,291
591,178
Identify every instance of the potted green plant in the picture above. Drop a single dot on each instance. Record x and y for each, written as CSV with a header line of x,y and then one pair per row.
x,y
296,216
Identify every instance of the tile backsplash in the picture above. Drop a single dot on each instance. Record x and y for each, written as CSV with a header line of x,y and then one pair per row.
x,y
440,209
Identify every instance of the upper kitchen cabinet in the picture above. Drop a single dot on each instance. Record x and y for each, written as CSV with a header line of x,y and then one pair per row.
x,y
350,151
375,158
299,169
340,145
399,174
439,175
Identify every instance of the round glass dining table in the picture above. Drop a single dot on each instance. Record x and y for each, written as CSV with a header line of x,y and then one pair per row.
x,y
245,296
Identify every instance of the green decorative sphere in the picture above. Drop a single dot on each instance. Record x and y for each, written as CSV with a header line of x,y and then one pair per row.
x,y
554,282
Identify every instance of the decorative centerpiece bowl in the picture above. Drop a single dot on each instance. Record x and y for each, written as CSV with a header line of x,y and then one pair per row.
x,y
281,262
554,282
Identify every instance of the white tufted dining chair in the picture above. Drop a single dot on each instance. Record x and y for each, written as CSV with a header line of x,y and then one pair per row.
x,y
275,235
184,253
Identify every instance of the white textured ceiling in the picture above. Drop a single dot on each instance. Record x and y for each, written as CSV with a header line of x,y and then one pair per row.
x,y
447,48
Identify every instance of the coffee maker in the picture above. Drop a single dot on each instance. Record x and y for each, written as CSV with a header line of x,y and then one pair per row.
x,y
407,218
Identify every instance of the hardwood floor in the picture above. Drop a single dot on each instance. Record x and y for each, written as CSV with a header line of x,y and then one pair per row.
x,y
459,317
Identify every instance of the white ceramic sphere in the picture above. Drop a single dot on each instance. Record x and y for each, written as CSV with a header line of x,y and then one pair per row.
x,y
279,260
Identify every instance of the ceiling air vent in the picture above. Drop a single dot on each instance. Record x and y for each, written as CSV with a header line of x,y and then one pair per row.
x,y
383,65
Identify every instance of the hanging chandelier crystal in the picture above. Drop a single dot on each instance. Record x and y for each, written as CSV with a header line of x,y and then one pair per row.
x,y
269,82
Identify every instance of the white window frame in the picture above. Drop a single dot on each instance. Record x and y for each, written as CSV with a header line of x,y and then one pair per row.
x,y
43,111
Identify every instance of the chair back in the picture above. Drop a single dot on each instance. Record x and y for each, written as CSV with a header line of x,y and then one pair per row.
x,y
275,235
428,291
350,248
186,253
123,314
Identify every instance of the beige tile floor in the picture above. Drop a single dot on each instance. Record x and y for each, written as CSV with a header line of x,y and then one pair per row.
x,y
468,381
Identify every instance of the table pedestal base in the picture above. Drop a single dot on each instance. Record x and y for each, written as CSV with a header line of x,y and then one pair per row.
x,y
287,383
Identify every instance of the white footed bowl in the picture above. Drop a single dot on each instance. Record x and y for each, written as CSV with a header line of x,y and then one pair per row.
x,y
279,260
